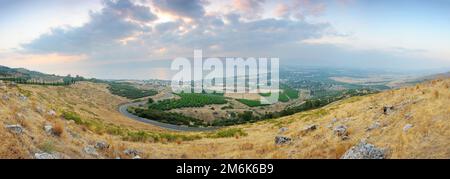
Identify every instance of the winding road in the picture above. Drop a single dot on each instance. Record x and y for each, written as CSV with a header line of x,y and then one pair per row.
x,y
123,110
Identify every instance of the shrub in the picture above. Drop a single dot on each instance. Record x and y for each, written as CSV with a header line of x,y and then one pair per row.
x,y
47,147
58,129
226,133
72,116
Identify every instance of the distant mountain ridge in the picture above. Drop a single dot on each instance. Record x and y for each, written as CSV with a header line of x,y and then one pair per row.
x,y
22,75
21,72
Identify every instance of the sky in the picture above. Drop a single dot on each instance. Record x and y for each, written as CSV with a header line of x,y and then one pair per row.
x,y
137,39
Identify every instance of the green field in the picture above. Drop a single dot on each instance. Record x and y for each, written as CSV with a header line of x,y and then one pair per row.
x,y
285,96
251,103
291,93
189,100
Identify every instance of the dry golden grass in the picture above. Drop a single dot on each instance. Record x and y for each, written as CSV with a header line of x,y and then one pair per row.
x,y
425,106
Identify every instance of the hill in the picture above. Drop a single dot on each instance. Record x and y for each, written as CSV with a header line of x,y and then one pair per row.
x,y
81,121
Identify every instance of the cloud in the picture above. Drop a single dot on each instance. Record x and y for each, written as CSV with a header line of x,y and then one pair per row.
x,y
183,8
249,8
130,10
121,32
117,20
300,9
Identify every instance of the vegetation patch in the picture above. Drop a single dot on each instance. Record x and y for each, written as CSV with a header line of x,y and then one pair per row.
x,y
226,133
142,136
189,100
167,117
251,103
129,91
72,116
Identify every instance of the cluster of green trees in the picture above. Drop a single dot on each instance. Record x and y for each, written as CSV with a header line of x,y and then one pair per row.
x,y
251,103
241,118
68,80
189,100
167,117
129,91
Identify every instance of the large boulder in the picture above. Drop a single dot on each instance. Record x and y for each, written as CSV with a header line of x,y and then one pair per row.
x,y
131,152
280,140
90,150
407,127
374,126
16,129
341,131
48,128
364,151
45,155
388,109
102,145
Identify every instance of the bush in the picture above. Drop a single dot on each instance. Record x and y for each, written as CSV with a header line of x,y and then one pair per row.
x,y
47,147
72,116
58,129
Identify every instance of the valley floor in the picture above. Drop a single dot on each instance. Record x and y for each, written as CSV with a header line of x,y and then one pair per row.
x,y
410,122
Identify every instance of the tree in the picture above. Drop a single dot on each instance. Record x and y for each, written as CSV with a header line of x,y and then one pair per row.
x,y
150,100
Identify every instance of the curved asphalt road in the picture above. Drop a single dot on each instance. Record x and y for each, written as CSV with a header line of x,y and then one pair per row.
x,y
123,110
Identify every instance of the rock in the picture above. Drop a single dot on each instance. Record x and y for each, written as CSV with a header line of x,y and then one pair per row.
x,y
51,113
280,140
375,125
283,129
102,145
16,129
45,156
90,150
22,97
364,151
5,97
48,128
340,131
310,128
407,127
131,152
388,109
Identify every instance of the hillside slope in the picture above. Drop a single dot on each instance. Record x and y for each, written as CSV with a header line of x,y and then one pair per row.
x,y
411,122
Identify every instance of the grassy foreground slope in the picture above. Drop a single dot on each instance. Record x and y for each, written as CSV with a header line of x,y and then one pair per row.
x,y
416,125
